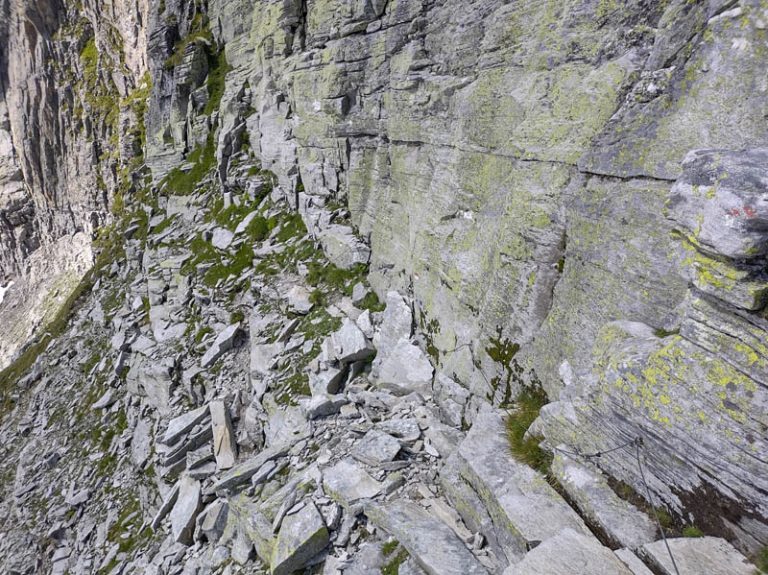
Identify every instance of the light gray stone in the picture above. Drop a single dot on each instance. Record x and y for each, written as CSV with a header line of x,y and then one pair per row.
x,y
633,562
303,535
570,553
524,507
180,425
407,367
222,238
709,555
620,520
433,544
223,343
376,448
224,446
348,483
185,510
263,356
396,324
347,345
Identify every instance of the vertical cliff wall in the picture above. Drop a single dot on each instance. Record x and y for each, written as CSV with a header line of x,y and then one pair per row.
x,y
511,165
68,76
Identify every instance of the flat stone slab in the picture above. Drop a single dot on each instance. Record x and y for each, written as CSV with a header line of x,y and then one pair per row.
x,y
407,367
241,474
375,448
433,544
224,446
570,553
223,343
348,483
523,506
710,555
185,510
179,426
589,490
302,536
633,562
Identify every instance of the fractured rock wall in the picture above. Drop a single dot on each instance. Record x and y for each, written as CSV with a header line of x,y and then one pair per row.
x,y
511,165
67,74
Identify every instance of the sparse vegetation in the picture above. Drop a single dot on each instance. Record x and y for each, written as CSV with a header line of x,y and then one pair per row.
x,y
692,531
526,409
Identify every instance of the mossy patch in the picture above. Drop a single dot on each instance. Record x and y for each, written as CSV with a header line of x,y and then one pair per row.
x,y
526,409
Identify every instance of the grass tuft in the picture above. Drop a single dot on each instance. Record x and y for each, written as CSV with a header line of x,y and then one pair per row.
x,y
526,449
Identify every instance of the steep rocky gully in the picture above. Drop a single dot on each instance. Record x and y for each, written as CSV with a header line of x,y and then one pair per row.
x,y
384,286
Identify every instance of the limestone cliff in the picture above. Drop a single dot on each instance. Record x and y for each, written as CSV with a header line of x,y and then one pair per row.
x,y
570,196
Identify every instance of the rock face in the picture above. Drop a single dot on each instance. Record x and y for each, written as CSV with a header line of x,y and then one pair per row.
x,y
564,196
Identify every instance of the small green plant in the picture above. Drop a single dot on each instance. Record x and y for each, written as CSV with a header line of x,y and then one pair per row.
x,y
761,560
661,332
692,531
181,183
525,410
392,567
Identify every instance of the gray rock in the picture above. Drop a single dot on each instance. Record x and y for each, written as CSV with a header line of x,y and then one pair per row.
x,y
620,520
141,443
168,503
263,356
213,520
633,562
433,545
396,325
223,343
343,248
348,483
106,400
242,473
721,200
286,426
224,446
406,429
303,535
376,448
525,509
179,426
407,367
359,291
222,238
298,299
324,405
327,381
365,324
347,345
185,510
570,553
709,555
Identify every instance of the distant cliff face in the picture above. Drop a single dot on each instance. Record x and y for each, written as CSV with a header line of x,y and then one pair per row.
x,y
525,170
68,72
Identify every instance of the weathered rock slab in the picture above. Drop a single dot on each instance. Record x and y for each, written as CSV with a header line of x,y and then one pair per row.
x,y
433,544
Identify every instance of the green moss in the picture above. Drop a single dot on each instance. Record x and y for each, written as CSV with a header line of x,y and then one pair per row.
x,y
199,32
392,567
761,560
180,183
217,72
692,531
389,547
527,406
661,332
328,275
371,302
